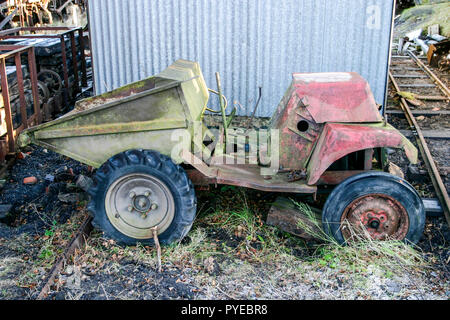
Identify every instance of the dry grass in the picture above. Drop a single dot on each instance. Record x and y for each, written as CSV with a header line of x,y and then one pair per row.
x,y
231,254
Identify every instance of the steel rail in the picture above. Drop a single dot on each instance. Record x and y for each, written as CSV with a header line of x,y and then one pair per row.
x,y
430,73
433,171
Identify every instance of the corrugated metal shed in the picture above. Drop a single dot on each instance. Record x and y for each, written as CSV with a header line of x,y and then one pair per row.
x,y
251,43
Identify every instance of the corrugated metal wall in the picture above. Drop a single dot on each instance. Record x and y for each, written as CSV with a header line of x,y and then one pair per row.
x,y
251,43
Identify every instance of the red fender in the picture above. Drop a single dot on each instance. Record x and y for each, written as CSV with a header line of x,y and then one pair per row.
x,y
338,140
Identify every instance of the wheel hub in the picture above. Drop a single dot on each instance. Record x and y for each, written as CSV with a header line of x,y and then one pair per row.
x,y
378,215
137,203
141,204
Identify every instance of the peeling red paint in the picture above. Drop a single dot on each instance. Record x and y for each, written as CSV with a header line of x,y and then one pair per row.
x,y
338,140
337,97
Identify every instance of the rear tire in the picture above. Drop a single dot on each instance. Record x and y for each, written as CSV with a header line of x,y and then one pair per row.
x,y
137,190
387,206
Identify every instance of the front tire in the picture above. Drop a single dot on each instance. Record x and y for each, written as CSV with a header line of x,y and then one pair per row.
x,y
138,190
374,204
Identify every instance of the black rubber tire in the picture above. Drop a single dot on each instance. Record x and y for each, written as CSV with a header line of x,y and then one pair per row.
x,y
370,183
151,163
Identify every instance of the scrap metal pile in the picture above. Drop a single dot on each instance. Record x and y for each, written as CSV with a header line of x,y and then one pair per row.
x,y
435,46
14,13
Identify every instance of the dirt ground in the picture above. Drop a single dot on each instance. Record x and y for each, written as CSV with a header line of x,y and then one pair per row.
x,y
229,254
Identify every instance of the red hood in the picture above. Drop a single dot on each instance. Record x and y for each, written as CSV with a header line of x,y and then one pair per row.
x,y
337,97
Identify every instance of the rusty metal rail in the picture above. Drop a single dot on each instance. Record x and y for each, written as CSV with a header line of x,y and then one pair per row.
x,y
430,73
77,242
433,171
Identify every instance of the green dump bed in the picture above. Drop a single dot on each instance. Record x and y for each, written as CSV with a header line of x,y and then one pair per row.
x,y
141,115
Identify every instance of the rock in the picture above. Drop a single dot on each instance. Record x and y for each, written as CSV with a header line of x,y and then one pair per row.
x,y
84,182
413,173
393,287
21,155
210,265
68,197
69,270
30,180
74,281
49,178
4,210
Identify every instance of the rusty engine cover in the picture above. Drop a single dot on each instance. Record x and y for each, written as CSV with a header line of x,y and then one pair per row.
x,y
314,99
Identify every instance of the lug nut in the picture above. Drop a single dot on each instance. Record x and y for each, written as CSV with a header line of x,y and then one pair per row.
x,y
130,208
154,206
147,193
132,194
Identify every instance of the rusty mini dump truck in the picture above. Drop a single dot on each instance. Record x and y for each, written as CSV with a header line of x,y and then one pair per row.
x,y
150,147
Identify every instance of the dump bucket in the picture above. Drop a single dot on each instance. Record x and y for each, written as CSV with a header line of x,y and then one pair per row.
x,y
141,115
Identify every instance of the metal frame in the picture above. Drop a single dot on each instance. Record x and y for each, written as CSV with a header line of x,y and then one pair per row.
x,y
11,135
17,33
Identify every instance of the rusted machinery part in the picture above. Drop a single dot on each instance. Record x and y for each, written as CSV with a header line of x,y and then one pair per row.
x,y
224,99
441,190
56,84
374,205
44,92
380,215
138,190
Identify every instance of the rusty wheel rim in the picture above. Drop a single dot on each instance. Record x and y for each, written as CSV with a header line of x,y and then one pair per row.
x,y
136,203
377,216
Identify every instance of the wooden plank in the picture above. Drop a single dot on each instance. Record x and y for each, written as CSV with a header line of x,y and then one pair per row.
x,y
285,215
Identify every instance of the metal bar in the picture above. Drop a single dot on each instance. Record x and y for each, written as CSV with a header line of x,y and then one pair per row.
x,y
409,76
64,58
33,29
14,51
222,107
405,69
8,18
83,59
34,83
23,103
30,36
7,105
421,112
75,62
429,134
417,86
60,9
433,171
77,242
